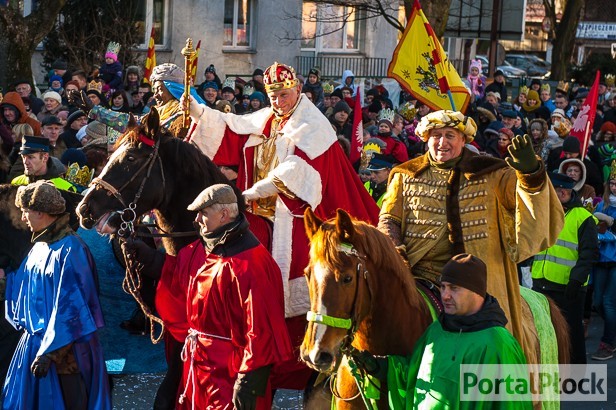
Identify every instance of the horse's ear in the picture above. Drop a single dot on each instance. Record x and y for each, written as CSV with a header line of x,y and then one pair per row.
x,y
132,122
344,225
152,123
312,223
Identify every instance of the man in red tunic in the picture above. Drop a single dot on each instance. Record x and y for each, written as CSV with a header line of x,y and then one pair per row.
x,y
234,319
288,158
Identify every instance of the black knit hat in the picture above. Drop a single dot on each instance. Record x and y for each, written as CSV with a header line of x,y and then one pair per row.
x,y
341,106
571,145
337,93
467,271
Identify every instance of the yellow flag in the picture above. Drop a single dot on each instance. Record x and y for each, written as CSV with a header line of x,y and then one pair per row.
x,y
421,66
150,61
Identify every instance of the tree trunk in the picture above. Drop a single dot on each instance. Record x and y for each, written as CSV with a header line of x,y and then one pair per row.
x,y
437,13
24,34
565,39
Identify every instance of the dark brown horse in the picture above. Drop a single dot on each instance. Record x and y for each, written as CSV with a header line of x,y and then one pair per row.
x,y
362,293
153,170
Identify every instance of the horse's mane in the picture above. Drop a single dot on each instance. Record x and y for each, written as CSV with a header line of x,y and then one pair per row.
x,y
371,244
189,162
8,208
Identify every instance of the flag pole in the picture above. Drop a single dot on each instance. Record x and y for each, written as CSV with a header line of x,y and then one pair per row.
x,y
453,105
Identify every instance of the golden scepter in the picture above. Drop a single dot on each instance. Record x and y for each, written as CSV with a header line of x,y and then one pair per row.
x,y
189,55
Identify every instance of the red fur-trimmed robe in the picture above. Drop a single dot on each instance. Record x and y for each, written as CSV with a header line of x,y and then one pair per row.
x,y
312,167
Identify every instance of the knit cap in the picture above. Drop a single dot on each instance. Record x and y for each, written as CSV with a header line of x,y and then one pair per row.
x,y
467,271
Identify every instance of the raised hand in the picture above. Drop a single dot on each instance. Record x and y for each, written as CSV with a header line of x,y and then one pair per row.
x,y
523,158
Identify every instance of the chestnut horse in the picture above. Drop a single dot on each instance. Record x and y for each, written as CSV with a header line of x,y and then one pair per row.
x,y
363,295
355,272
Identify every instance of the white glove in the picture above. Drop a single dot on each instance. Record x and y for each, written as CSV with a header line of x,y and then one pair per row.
x,y
262,189
605,218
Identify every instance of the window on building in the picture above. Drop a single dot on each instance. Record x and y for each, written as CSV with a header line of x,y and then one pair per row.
x,y
238,22
152,14
327,27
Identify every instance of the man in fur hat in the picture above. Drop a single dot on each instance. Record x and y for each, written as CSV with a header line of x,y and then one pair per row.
x,y
451,201
52,297
289,158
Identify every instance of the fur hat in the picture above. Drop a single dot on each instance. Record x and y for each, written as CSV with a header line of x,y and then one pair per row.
x,y
467,271
446,118
215,194
167,72
41,196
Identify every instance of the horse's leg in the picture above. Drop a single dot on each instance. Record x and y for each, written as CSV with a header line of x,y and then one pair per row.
x,y
562,333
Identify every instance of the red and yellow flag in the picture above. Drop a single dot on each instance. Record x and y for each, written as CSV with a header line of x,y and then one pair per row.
x,y
421,66
150,61
195,63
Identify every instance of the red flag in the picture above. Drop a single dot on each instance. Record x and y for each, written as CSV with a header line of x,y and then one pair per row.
x,y
150,61
582,127
358,130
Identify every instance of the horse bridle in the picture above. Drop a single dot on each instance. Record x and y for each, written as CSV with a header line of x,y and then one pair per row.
x,y
128,214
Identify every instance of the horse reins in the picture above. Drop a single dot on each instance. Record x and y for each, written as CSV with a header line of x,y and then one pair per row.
x,y
351,324
128,214
132,280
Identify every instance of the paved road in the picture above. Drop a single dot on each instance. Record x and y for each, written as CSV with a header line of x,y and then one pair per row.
x,y
136,392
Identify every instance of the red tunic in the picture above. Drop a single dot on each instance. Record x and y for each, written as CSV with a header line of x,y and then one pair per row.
x,y
238,298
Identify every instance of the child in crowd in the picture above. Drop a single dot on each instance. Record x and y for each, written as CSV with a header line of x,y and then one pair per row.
x,y
111,71
476,79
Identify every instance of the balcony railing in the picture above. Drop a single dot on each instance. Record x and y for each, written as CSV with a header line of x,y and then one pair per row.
x,y
333,66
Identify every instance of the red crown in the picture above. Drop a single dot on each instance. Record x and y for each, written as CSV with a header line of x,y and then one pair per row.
x,y
279,77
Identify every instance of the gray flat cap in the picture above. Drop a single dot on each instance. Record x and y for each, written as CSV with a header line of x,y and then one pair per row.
x,y
215,194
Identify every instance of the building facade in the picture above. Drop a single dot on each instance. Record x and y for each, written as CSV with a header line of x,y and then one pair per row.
x,y
238,36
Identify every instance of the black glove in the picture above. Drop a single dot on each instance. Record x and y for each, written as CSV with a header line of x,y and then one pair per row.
x,y
80,100
523,158
40,366
572,289
139,251
249,386
375,365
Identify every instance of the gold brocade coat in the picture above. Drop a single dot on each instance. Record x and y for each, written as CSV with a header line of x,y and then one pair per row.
x,y
482,207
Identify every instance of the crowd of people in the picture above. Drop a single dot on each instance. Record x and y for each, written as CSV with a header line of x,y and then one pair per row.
x,y
446,183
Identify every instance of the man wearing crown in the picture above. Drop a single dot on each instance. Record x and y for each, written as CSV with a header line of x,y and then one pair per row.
x,y
289,159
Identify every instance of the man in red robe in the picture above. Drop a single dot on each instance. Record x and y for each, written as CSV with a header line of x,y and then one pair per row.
x,y
233,324
288,158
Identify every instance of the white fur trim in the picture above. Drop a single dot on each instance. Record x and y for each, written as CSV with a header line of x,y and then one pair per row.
x,y
307,128
299,298
282,243
301,179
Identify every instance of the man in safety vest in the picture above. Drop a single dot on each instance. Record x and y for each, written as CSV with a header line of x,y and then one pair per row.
x,y
562,271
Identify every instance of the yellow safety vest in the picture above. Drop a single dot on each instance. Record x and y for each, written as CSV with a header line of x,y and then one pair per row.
x,y
379,203
555,263
58,182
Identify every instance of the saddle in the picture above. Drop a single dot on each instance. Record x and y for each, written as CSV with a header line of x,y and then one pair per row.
x,y
431,293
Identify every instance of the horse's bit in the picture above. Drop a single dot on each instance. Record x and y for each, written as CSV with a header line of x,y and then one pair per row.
x,y
350,324
128,214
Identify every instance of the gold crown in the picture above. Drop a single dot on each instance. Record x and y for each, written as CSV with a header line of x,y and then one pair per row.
x,y
610,79
328,88
95,86
387,114
113,47
545,87
374,146
248,90
407,111
563,86
279,77
79,176
524,90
